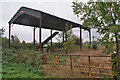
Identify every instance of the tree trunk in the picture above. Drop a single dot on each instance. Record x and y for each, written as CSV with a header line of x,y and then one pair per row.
x,y
117,51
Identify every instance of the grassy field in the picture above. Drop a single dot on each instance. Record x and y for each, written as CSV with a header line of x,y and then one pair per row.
x,y
17,64
28,63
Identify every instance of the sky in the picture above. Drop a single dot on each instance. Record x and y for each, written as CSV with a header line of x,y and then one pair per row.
x,y
60,8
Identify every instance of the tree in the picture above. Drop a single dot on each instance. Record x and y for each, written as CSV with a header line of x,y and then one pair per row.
x,y
69,44
77,41
23,42
15,39
2,30
70,39
103,17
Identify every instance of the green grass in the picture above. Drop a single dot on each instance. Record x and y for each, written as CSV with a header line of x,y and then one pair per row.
x,y
25,63
13,68
19,71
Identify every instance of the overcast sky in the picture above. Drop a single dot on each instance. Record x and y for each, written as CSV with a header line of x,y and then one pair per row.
x,y
60,8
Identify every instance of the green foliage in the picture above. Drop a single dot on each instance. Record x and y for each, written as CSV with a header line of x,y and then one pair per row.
x,y
58,45
12,69
2,30
70,39
16,44
21,64
21,46
101,16
69,44
5,42
77,41
87,45
105,76
15,39
94,46
95,42
23,42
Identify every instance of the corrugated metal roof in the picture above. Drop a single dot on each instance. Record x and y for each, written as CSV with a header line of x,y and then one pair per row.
x,y
31,17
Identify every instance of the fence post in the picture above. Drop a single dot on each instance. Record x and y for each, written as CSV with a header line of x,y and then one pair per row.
x,y
45,58
89,67
71,61
56,62
114,67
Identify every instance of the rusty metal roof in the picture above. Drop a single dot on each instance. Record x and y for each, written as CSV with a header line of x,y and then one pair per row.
x,y
31,17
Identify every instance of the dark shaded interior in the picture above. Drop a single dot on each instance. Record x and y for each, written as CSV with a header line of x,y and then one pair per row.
x,y
30,17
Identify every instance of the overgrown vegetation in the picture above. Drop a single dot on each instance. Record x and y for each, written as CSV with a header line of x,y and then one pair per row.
x,y
13,67
19,63
70,39
102,15
69,44
21,60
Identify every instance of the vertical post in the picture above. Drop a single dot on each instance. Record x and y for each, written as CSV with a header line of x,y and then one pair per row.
x,y
40,36
80,39
34,36
9,34
114,67
66,51
56,62
45,58
51,38
66,35
71,61
89,67
90,36
119,40
63,36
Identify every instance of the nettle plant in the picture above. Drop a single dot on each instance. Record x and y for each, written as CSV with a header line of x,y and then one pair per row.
x,y
103,16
